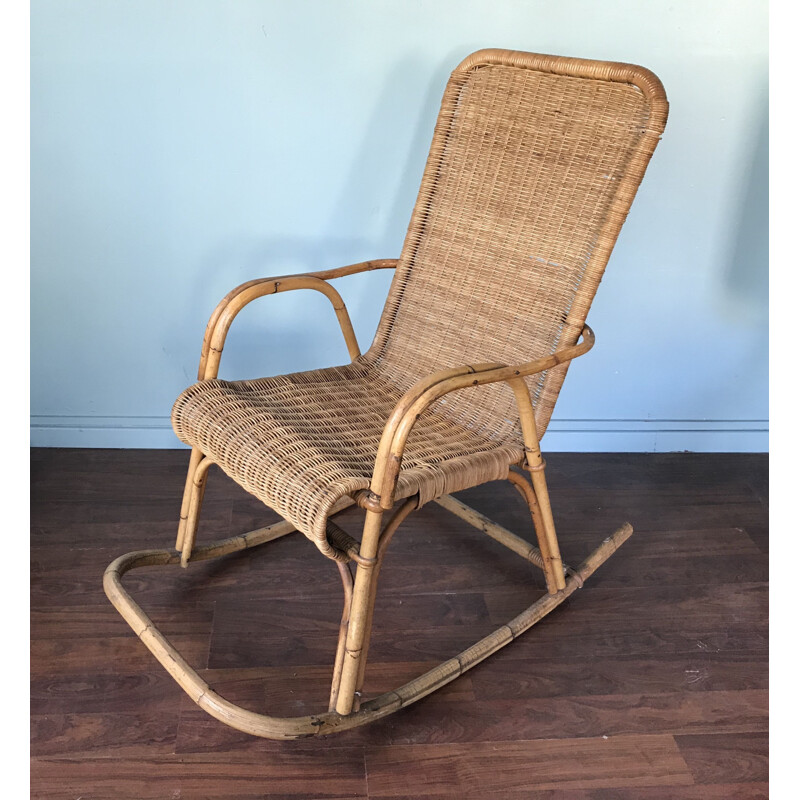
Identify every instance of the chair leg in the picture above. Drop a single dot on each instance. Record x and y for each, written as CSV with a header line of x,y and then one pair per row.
x,y
389,529
194,460
358,652
360,612
546,532
198,488
553,567
347,585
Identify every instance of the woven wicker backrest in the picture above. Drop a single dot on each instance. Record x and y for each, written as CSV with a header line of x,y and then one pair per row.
x,y
534,163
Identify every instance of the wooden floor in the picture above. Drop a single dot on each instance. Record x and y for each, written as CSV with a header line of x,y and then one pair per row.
x,y
651,682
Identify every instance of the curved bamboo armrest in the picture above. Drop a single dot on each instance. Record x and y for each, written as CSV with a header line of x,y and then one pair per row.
x,y
425,392
233,302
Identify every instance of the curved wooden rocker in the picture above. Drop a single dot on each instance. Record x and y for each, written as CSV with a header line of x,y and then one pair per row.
x,y
534,164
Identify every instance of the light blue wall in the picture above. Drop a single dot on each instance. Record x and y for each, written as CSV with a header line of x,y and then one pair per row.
x,y
179,148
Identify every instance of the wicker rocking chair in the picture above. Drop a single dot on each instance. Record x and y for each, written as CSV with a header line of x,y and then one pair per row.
x,y
534,164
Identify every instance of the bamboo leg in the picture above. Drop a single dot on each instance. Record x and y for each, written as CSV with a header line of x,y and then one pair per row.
x,y
363,592
543,501
524,487
548,543
383,544
347,584
196,497
194,459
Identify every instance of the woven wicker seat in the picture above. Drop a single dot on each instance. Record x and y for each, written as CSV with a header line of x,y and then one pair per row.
x,y
534,164
300,443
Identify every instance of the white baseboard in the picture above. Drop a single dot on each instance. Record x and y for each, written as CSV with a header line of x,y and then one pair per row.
x,y
657,436
563,435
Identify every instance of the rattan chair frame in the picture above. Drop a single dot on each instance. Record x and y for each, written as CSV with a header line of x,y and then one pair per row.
x,y
346,710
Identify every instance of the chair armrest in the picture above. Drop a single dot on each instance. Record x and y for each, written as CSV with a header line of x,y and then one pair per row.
x,y
424,393
226,311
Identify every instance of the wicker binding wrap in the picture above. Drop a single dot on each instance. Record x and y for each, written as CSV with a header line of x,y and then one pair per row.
x,y
534,163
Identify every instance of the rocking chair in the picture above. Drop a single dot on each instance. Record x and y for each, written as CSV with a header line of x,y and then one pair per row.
x,y
534,164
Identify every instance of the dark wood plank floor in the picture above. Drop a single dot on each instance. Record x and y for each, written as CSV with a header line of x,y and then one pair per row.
x,y
651,682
